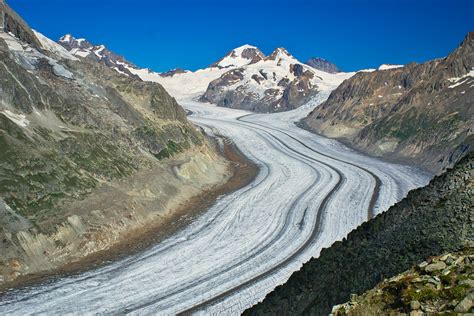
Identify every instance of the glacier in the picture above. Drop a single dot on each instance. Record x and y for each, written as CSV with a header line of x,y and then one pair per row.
x,y
310,191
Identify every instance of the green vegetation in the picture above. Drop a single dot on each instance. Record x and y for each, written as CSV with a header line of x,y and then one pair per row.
x,y
34,178
154,142
171,149
37,172
413,294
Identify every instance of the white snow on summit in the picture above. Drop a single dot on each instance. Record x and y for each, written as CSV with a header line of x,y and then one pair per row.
x,y
236,58
388,66
261,74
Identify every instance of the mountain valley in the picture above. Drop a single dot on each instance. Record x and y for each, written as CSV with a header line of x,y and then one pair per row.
x,y
258,184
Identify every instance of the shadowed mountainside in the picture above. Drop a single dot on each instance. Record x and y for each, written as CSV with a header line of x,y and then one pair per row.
x,y
431,220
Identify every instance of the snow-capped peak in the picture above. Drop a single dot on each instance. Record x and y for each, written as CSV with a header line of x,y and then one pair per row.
x,y
239,50
66,38
83,48
70,42
53,47
240,56
280,53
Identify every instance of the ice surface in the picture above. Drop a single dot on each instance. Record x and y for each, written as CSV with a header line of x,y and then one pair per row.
x,y
256,236
54,47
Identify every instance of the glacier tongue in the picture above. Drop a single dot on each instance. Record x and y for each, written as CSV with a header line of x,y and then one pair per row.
x,y
310,191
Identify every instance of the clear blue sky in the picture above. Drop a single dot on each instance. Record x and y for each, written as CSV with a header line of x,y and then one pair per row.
x,y
191,34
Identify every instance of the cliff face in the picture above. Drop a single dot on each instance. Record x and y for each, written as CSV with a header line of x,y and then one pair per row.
x,y
72,129
429,221
10,22
422,113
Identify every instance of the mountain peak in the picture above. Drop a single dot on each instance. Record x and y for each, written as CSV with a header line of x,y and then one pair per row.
x,y
280,53
244,47
83,48
322,64
240,56
469,38
70,42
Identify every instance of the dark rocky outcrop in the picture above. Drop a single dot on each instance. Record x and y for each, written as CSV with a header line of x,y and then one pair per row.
x,y
323,65
421,113
430,221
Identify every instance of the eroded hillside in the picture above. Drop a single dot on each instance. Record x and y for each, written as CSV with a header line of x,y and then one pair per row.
x,y
86,153
420,113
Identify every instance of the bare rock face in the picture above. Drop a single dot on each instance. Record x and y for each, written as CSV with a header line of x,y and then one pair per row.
x,y
421,113
275,83
10,22
323,65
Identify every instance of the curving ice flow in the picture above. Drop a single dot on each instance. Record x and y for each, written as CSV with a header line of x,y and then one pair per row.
x,y
310,191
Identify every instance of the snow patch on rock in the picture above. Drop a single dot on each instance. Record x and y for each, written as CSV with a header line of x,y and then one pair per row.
x,y
18,119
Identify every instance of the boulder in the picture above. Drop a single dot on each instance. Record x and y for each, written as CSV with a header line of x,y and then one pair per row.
x,y
440,265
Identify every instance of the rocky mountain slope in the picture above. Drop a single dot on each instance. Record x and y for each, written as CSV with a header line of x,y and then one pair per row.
x,y
323,65
261,85
440,285
422,113
87,153
178,82
99,53
244,78
275,83
430,221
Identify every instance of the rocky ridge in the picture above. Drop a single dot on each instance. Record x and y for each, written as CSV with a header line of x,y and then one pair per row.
x,y
440,285
278,82
430,221
88,153
99,53
420,113
244,78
